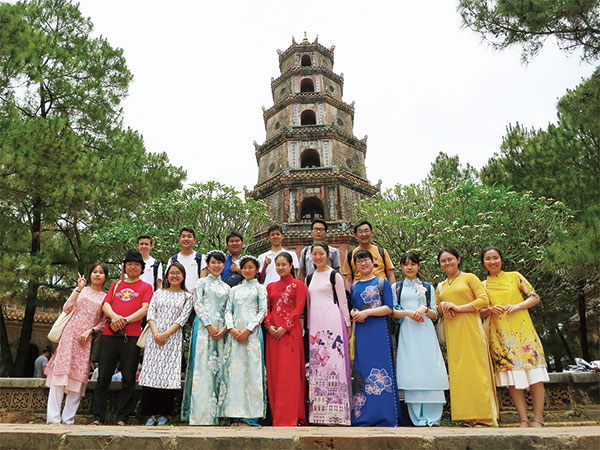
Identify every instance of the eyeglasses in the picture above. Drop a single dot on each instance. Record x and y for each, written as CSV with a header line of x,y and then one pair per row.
x,y
319,229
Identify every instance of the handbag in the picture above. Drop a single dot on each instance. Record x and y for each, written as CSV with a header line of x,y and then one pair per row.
x,y
439,330
58,327
141,342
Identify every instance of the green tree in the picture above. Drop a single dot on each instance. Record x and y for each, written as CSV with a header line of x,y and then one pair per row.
x,y
447,172
577,252
212,209
561,162
575,24
470,217
66,164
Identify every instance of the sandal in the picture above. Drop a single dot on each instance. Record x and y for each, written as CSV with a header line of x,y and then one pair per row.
x,y
524,421
121,423
539,423
96,422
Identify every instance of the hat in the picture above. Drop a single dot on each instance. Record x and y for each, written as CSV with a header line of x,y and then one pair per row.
x,y
134,257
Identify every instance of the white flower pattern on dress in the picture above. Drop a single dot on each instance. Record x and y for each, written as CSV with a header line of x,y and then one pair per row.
x,y
358,403
370,296
214,363
212,405
378,381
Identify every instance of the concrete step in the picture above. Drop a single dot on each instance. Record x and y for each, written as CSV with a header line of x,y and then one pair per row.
x,y
63,437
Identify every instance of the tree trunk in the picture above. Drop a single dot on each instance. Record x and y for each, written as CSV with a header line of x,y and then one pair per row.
x,y
32,291
581,309
557,363
7,368
566,344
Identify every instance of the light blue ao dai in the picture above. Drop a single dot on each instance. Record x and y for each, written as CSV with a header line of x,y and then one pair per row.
x,y
243,364
204,376
420,368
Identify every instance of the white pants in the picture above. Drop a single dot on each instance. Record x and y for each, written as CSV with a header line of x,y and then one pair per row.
x,y
55,398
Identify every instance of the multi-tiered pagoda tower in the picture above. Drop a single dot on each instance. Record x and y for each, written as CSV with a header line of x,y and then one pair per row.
x,y
311,165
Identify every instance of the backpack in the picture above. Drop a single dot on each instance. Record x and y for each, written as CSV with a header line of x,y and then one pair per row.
x,y
335,300
197,257
331,280
155,266
427,286
381,253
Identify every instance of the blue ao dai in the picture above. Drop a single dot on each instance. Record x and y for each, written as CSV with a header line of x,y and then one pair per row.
x,y
376,404
204,376
420,368
243,365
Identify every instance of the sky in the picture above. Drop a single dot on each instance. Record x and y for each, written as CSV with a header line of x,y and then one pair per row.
x,y
421,84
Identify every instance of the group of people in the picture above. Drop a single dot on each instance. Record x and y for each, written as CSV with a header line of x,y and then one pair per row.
x,y
259,325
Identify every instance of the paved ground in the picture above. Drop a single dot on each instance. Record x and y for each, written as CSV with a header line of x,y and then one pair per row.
x,y
47,437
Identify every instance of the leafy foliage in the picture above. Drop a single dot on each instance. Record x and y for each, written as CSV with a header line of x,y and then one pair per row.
x,y
467,217
212,209
423,218
67,166
575,24
563,161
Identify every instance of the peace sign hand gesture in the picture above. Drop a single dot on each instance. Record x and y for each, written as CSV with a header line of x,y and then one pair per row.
x,y
81,282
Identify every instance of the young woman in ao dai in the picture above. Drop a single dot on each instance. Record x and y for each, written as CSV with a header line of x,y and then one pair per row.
x,y
204,375
68,370
329,387
376,403
420,369
517,351
244,370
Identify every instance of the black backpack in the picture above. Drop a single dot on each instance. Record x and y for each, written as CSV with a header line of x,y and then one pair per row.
x,y
155,265
197,257
381,253
427,286
335,300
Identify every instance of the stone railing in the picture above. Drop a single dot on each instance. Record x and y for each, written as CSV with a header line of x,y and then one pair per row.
x,y
564,391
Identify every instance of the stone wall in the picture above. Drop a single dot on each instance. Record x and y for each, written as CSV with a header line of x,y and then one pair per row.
x,y
565,391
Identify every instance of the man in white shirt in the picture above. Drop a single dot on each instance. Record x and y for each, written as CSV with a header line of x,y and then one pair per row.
x,y
152,273
188,258
268,272
318,231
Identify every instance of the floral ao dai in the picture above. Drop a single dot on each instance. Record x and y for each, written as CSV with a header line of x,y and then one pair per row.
x,y
162,363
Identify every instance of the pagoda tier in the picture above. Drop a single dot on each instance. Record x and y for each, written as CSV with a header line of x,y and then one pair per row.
x,y
311,165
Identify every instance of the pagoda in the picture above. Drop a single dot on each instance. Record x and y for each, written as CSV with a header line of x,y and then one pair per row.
x,y
311,165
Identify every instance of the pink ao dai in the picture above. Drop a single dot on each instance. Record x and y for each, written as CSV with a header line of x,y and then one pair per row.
x,y
70,364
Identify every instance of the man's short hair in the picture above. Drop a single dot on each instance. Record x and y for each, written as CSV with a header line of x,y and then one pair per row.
x,y
144,236
360,224
189,230
232,235
274,227
321,221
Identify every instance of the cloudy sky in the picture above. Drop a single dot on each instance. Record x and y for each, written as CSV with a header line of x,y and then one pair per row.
x,y
420,83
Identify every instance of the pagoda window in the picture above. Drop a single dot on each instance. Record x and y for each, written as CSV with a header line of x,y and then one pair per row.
x,y
310,158
311,209
307,85
308,117
306,61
